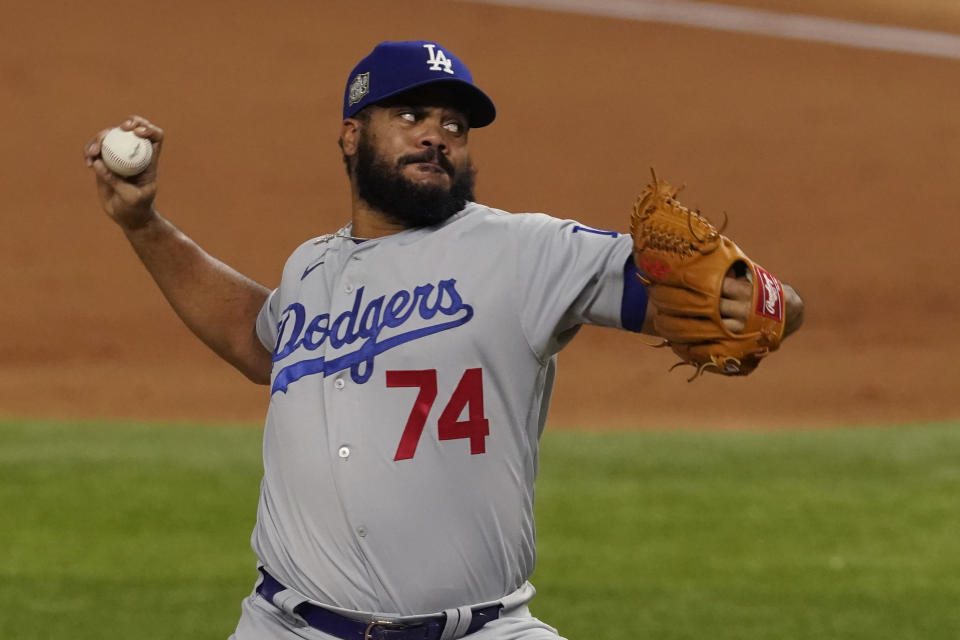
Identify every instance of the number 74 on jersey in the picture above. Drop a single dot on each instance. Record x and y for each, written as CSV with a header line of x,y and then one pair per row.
x,y
467,395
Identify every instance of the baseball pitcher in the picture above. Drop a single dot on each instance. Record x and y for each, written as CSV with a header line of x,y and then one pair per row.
x,y
409,358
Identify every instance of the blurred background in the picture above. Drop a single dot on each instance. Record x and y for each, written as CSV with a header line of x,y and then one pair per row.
x,y
835,164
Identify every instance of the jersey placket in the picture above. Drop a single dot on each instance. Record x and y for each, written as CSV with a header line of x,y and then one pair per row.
x,y
341,390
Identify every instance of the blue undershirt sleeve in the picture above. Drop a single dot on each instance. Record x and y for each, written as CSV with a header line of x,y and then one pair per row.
x,y
633,307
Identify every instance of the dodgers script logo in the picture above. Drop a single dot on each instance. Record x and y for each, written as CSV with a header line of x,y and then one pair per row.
x,y
364,323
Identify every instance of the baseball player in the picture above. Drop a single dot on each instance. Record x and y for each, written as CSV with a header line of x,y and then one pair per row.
x,y
410,357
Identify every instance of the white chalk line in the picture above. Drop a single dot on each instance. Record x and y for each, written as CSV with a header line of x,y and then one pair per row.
x,y
759,21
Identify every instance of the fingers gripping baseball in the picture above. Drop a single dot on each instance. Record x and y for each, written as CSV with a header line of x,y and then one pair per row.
x,y
127,200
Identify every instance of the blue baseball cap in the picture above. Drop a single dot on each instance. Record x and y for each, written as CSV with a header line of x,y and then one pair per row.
x,y
395,67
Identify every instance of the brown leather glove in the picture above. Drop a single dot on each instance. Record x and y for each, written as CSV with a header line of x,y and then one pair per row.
x,y
685,259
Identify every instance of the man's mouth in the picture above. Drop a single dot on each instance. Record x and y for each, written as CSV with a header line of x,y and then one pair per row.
x,y
430,162
430,167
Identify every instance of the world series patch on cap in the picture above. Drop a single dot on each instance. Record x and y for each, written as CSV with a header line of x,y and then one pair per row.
x,y
395,67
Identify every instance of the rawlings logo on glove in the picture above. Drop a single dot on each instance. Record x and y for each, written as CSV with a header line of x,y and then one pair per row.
x,y
685,259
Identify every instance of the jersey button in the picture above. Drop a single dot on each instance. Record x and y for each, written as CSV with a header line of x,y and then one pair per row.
x,y
348,288
339,383
362,531
344,452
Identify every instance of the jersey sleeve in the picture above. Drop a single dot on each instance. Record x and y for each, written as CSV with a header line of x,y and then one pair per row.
x,y
571,275
268,320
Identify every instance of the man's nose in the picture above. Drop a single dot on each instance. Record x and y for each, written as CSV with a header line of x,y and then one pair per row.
x,y
432,136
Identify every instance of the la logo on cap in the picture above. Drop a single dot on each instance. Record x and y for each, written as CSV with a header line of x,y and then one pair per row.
x,y
438,61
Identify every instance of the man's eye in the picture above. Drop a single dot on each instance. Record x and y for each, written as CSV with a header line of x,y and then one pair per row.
x,y
409,116
453,127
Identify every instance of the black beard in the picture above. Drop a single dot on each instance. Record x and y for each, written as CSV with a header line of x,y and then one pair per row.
x,y
385,188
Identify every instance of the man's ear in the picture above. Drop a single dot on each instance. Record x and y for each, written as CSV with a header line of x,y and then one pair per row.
x,y
349,136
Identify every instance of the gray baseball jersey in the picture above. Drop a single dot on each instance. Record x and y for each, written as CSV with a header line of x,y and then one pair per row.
x,y
410,384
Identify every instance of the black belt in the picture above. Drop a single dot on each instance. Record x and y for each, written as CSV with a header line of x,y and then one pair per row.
x,y
346,628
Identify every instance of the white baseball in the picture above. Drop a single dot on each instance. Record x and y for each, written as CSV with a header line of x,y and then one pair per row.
x,y
125,153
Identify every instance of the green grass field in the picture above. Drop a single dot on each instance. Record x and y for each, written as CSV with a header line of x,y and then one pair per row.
x,y
141,531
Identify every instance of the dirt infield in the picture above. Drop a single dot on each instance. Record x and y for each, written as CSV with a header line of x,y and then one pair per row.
x,y
837,167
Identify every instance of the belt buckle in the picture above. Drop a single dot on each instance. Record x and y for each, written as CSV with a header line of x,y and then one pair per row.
x,y
387,625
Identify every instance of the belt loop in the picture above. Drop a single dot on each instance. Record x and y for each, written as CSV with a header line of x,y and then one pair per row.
x,y
450,625
466,616
287,600
521,596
